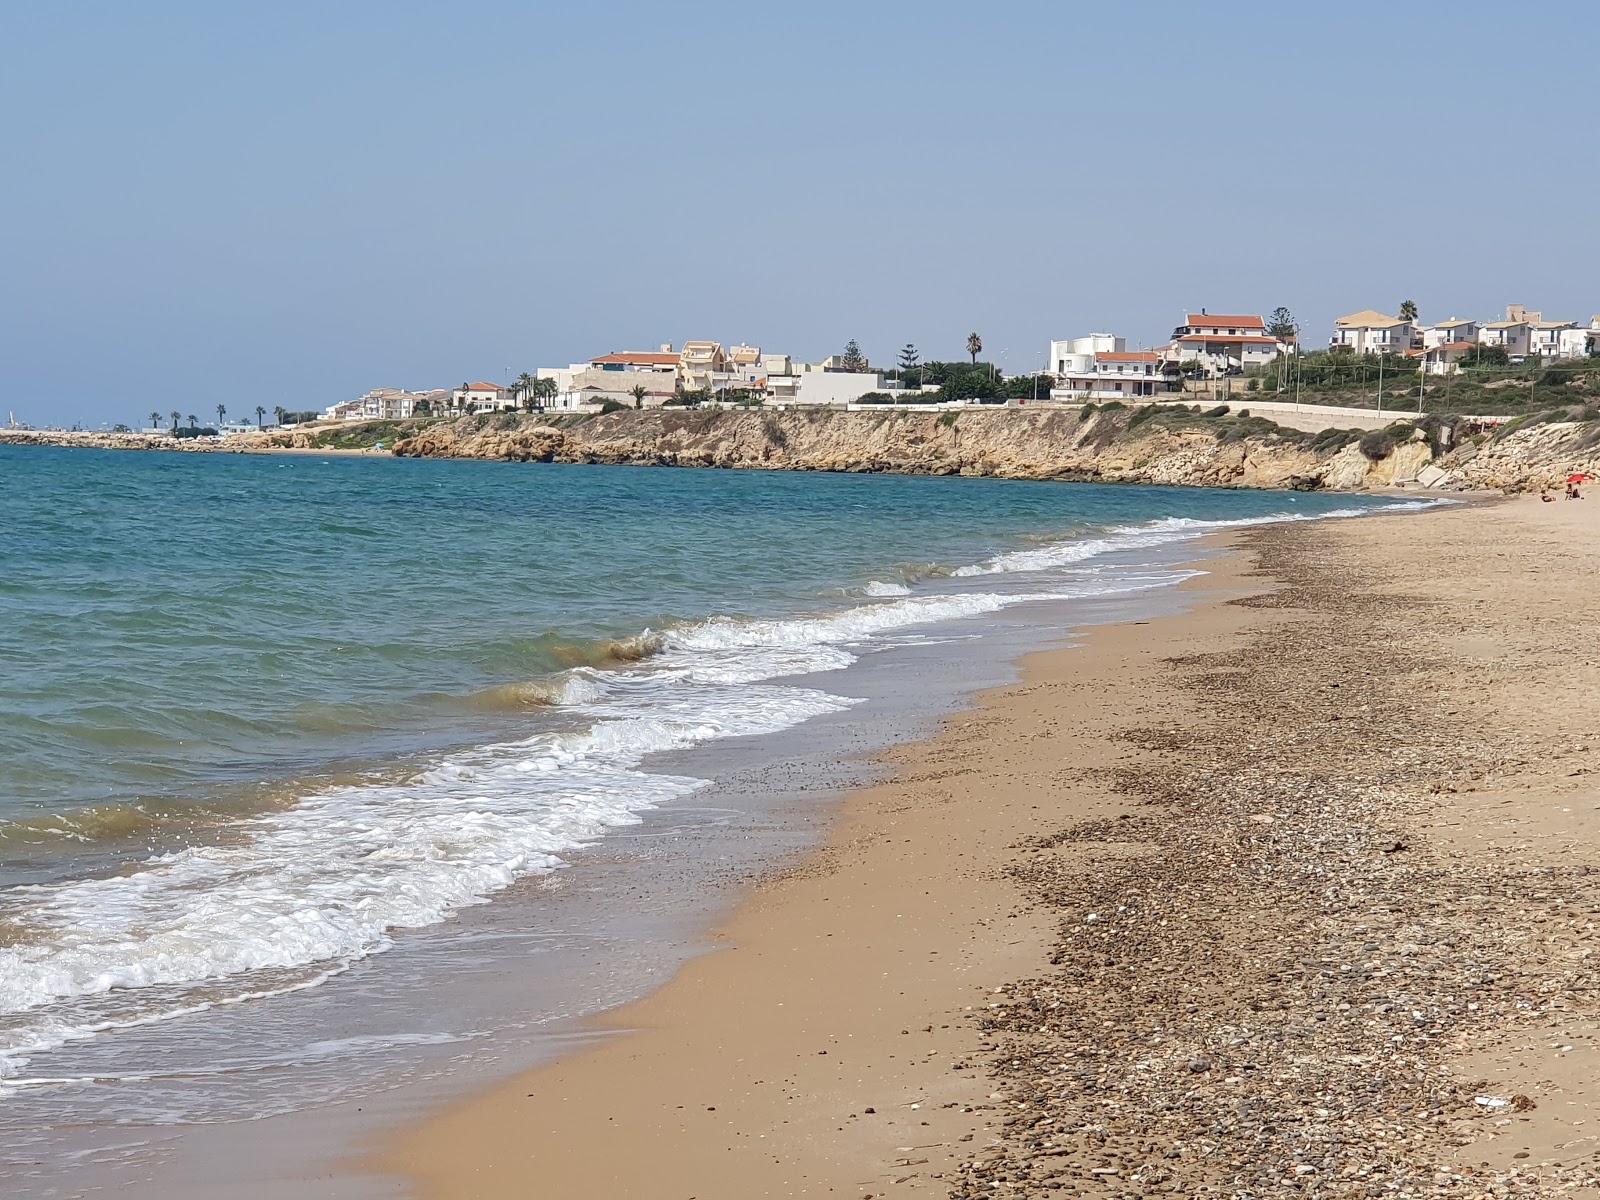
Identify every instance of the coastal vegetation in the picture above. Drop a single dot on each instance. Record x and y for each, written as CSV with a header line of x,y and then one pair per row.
x,y
1486,383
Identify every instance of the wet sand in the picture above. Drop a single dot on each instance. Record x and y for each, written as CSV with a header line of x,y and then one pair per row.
x,y
1262,898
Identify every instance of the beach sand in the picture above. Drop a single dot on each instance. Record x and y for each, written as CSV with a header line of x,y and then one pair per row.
x,y
1261,899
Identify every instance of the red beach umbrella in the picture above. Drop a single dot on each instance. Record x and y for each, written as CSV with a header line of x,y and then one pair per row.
x,y
1580,477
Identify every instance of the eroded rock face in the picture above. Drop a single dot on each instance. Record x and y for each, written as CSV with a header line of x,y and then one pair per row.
x,y
1044,444
1053,443
1527,460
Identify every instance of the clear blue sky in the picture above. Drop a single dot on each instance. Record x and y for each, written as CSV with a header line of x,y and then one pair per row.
x,y
283,202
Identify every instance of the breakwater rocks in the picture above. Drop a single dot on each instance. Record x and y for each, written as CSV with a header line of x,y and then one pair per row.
x,y
104,441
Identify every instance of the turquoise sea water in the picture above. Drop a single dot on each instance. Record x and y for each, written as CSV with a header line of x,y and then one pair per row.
x,y
263,714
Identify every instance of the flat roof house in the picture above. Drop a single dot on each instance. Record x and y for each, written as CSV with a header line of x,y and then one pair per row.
x,y
1114,375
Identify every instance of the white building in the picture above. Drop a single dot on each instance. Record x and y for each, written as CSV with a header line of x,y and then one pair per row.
x,y
1544,337
1444,358
1114,375
380,404
1074,356
1371,332
1515,333
835,387
1224,344
1580,341
616,376
1456,329
482,397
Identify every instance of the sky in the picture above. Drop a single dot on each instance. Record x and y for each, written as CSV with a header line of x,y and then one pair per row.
x,y
281,202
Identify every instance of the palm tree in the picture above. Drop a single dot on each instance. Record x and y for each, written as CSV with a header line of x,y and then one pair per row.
x,y
192,421
222,411
524,388
638,392
280,412
1408,310
547,389
260,412
155,419
174,420
974,347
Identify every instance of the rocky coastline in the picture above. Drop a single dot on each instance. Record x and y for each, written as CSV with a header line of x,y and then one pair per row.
x,y
1109,443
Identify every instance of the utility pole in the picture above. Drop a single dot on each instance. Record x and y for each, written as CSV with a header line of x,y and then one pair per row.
x,y
1380,383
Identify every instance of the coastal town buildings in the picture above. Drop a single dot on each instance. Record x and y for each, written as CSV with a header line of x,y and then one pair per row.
x,y
1544,337
1515,333
1456,329
482,397
382,404
1075,356
1580,341
1521,333
1101,366
616,376
1224,344
1098,365
833,388
1372,332
702,365
1444,358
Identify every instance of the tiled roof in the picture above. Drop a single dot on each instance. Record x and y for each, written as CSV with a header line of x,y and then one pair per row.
x,y
484,387
1128,356
1251,339
1211,321
1369,319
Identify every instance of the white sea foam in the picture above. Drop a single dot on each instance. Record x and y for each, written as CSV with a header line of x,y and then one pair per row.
x,y
304,892
878,588
331,879
1156,533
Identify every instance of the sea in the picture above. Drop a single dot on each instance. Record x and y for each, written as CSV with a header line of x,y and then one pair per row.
x,y
335,784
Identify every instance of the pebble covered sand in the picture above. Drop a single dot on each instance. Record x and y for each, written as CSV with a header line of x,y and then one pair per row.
x,y
1277,974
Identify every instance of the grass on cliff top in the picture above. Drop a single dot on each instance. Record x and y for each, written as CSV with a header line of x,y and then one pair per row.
x,y
1226,424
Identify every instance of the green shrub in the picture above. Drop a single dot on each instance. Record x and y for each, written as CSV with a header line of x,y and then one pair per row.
x,y
611,406
1220,410
1087,411
1376,444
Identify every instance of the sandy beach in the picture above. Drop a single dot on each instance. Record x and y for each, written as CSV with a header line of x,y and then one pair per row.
x,y
1289,894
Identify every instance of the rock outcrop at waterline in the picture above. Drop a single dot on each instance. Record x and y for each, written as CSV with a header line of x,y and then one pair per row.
x,y
1010,444
1110,444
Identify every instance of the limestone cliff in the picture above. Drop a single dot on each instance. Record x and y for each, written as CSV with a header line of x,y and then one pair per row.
x,y
1042,444
1111,444
1107,444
